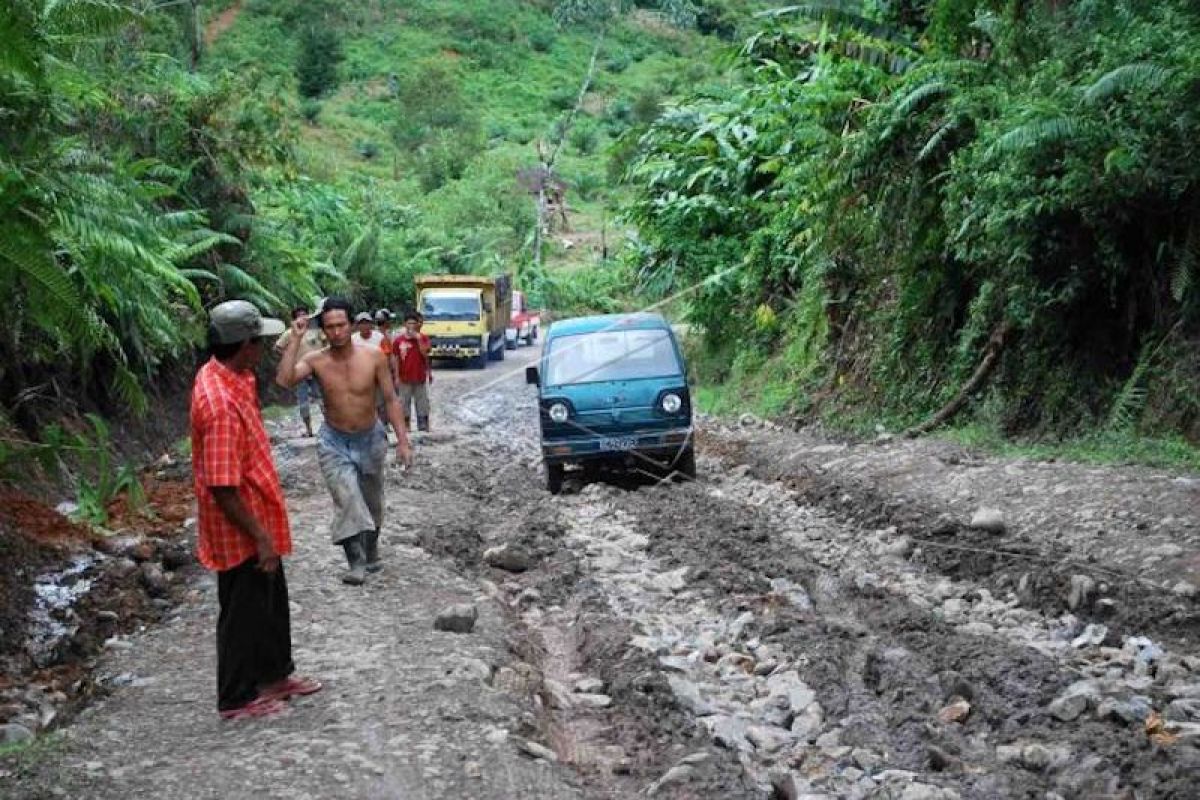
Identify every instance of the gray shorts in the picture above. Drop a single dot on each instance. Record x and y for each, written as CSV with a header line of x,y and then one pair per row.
x,y
352,464
410,394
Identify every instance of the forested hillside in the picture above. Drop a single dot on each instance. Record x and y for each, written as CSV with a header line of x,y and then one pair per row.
x,y
982,211
912,207
158,158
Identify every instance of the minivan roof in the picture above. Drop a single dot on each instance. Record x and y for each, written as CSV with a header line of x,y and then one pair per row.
x,y
600,322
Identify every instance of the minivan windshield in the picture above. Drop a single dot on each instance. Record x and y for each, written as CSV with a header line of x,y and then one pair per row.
x,y
449,307
611,355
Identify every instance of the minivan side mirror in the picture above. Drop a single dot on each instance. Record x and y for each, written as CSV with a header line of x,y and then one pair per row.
x,y
531,375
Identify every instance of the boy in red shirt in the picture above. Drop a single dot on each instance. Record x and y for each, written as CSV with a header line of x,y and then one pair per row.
x,y
411,350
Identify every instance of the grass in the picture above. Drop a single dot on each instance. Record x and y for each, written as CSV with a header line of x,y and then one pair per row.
x,y
773,397
1173,453
21,756
277,412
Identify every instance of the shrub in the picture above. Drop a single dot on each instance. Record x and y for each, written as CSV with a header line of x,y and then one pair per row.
x,y
367,149
316,67
310,109
584,137
541,38
587,185
647,106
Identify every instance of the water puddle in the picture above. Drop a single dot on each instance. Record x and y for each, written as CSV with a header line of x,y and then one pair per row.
x,y
52,618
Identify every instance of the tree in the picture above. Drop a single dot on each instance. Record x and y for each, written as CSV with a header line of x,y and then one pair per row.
x,y
320,55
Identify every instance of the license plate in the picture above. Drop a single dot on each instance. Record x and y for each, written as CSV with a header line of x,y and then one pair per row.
x,y
618,443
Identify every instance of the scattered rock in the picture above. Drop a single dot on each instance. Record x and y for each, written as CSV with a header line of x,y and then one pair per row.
x,y
680,773
1135,709
1184,589
535,750
154,579
1185,709
589,686
784,785
729,732
592,700
942,761
988,519
177,556
1074,701
767,738
956,711
687,695
507,557
12,733
1092,636
1080,591
458,618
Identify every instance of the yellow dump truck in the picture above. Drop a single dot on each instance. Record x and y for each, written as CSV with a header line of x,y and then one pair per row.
x,y
465,316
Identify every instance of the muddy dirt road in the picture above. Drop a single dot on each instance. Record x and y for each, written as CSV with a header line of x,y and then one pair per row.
x,y
801,621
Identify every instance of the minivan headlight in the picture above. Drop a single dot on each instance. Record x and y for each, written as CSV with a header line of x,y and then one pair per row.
x,y
559,412
671,403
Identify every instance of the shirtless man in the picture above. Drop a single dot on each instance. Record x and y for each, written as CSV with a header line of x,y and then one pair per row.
x,y
352,443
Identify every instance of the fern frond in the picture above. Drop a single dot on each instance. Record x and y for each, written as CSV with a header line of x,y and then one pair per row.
x,y
127,388
918,99
934,143
844,14
1036,134
1138,77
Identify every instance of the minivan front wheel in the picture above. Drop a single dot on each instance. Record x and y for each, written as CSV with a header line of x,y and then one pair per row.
x,y
554,478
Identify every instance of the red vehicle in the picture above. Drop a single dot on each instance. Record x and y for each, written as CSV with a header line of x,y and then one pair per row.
x,y
524,323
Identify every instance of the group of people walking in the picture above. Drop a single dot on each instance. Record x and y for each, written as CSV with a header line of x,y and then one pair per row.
x,y
408,361
365,378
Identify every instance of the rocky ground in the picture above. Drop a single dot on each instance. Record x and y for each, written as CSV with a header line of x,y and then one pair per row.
x,y
809,618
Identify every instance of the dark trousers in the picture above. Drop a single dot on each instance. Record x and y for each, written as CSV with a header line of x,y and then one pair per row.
x,y
254,632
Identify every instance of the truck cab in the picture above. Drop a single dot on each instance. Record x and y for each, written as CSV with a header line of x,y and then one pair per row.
x,y
465,316
613,394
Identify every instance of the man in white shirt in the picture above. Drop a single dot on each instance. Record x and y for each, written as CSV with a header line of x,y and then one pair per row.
x,y
365,334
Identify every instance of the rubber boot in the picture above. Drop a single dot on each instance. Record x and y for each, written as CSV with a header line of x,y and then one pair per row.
x,y
371,549
423,423
357,560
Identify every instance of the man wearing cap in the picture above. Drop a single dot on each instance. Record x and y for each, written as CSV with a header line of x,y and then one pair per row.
x,y
311,341
242,521
352,444
366,335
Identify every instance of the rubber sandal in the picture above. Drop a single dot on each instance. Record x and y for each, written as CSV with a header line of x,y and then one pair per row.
x,y
258,707
293,687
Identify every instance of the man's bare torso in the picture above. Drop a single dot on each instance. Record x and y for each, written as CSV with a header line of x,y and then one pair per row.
x,y
349,380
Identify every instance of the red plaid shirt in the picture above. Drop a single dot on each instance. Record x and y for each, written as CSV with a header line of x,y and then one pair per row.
x,y
230,448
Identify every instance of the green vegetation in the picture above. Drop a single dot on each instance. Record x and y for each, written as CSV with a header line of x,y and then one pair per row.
x,y
895,191
311,147
870,207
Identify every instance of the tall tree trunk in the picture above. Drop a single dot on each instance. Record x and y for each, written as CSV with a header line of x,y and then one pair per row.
x,y
548,159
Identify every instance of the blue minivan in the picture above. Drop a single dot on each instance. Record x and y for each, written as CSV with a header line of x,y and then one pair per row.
x,y
613,393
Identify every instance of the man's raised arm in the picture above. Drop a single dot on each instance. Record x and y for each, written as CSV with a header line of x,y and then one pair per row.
x,y
292,370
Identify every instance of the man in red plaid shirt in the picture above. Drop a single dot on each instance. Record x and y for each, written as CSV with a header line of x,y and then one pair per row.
x,y
242,519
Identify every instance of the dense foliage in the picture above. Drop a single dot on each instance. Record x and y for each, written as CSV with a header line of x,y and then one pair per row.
x,y
895,185
122,208
298,147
